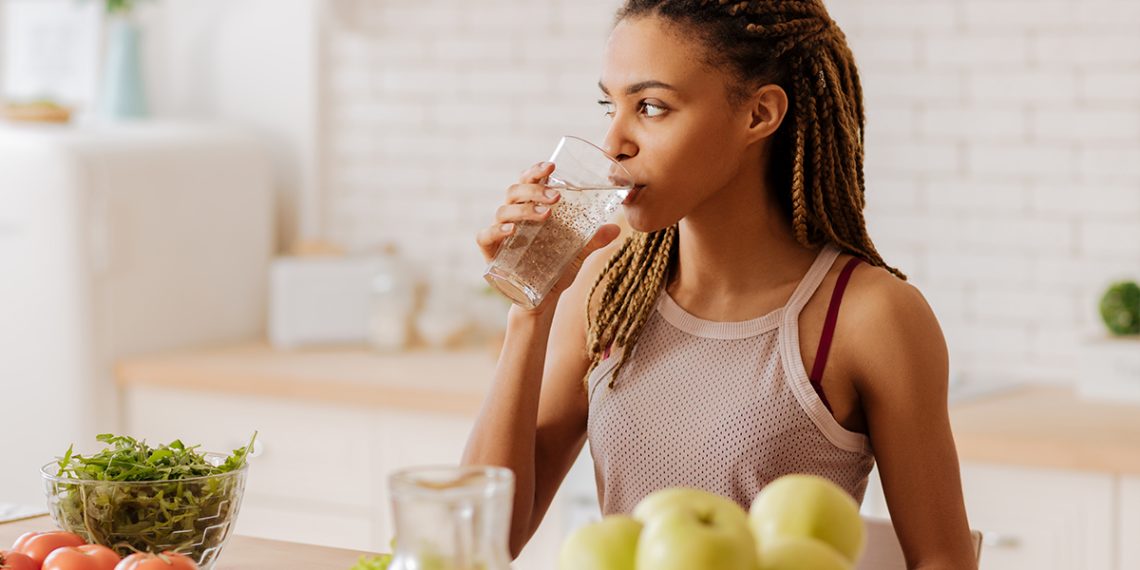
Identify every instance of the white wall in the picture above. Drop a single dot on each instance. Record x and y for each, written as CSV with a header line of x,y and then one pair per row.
x,y
435,106
1003,144
1003,154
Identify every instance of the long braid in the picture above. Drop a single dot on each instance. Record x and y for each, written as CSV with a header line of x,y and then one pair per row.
x,y
628,296
817,158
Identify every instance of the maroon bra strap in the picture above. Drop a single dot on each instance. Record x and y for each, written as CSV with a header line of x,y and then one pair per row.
x,y
829,328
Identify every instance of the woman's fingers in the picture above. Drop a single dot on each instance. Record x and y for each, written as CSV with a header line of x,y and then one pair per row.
x,y
520,193
511,213
490,239
537,173
528,201
507,218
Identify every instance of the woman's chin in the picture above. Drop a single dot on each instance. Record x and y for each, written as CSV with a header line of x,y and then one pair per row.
x,y
641,221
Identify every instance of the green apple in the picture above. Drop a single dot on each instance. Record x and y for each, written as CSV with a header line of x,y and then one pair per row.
x,y
686,529
703,502
609,544
800,553
808,506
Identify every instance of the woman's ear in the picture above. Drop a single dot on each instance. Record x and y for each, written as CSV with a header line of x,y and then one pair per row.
x,y
768,106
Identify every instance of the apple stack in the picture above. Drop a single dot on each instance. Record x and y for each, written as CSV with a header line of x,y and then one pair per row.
x,y
798,522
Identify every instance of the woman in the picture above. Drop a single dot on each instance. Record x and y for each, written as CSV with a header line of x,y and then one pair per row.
x,y
742,123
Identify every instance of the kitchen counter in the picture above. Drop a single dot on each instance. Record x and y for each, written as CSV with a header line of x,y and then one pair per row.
x,y
1049,427
241,553
1040,426
420,380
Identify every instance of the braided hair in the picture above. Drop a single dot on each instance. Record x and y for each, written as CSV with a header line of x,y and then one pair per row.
x,y
816,161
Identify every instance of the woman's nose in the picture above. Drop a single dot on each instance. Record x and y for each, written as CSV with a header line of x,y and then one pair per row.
x,y
618,142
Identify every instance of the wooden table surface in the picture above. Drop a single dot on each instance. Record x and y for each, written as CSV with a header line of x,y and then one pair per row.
x,y
241,553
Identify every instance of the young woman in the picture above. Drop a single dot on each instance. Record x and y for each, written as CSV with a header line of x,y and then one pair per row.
x,y
708,348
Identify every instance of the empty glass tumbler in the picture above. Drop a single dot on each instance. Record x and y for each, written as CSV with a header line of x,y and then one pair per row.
x,y
452,518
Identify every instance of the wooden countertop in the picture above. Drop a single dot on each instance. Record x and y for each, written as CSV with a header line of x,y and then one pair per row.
x,y
437,381
1049,427
1044,426
241,553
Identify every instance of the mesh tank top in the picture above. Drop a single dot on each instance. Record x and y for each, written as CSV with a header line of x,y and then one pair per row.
x,y
722,406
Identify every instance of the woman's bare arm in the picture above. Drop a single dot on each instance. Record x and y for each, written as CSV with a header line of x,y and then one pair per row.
x,y
902,378
533,420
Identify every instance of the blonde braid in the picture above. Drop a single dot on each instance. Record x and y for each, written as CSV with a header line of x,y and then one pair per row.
x,y
628,296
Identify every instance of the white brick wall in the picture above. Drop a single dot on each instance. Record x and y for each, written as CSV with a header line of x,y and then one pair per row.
x,y
1003,159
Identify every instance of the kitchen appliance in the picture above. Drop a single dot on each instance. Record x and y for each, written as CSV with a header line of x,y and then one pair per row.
x,y
117,240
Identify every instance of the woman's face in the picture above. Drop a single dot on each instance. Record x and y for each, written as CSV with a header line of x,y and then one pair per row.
x,y
673,126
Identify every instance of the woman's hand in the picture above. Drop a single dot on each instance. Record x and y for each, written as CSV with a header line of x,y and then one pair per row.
x,y
530,200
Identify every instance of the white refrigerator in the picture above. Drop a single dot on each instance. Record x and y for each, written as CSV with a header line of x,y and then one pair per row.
x,y
115,241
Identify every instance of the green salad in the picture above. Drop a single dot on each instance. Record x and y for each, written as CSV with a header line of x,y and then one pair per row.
x,y
133,497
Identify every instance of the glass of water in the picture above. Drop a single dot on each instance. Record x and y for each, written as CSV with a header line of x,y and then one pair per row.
x,y
532,259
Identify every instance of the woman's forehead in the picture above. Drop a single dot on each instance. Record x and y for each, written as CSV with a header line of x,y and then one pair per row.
x,y
648,49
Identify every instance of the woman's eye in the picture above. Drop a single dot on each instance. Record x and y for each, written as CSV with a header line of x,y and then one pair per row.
x,y
652,110
607,107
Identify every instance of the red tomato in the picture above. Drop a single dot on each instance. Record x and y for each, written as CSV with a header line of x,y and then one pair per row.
x,y
164,561
16,561
37,545
89,557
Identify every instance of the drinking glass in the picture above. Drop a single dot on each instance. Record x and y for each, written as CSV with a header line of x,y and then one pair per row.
x,y
593,185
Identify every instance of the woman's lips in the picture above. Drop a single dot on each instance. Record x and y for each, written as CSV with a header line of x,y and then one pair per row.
x,y
633,193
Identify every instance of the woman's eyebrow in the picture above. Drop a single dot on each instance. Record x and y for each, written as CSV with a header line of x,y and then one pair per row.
x,y
640,86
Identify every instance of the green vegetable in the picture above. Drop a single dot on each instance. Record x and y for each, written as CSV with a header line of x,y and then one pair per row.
x,y
372,562
132,497
1120,308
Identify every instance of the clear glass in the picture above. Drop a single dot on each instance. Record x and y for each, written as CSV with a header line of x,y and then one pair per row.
x,y
452,518
593,185
122,515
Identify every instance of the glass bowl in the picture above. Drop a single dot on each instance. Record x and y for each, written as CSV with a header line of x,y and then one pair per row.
x,y
192,516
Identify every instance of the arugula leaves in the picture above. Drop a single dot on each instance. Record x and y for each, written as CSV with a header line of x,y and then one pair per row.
x,y
133,497
127,459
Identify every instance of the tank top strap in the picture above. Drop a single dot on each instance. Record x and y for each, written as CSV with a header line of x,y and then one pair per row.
x,y
814,277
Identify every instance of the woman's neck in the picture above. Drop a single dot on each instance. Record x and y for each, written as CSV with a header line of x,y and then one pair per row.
x,y
737,255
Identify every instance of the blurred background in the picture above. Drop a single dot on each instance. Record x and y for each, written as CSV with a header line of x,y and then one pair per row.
x,y
241,212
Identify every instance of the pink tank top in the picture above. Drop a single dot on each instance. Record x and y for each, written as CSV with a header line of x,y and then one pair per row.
x,y
722,406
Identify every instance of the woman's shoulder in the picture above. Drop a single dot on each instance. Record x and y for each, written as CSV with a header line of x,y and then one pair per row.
x,y
876,292
898,327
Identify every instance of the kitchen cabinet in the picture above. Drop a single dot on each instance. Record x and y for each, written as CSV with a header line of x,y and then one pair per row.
x,y
1128,523
1036,519
314,468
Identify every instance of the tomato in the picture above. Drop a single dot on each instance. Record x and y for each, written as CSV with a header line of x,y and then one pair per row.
x,y
16,561
164,561
89,557
37,545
